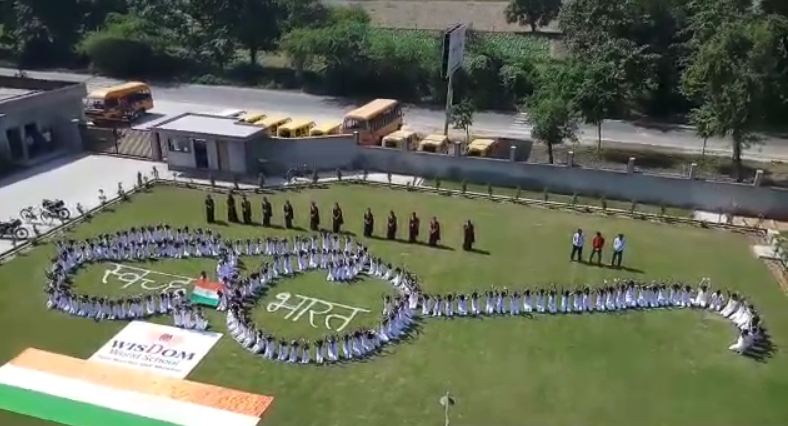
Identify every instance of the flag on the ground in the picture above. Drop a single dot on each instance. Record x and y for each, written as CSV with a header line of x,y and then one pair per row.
x,y
206,293
76,392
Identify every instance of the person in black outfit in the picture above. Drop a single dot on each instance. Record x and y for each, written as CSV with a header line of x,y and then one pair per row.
x,y
314,217
435,232
469,236
391,230
369,223
246,210
288,212
267,212
337,220
232,213
209,209
413,228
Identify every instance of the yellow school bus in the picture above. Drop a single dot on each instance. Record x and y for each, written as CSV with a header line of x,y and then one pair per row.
x,y
401,138
374,120
295,129
125,102
437,142
481,148
272,123
325,129
250,117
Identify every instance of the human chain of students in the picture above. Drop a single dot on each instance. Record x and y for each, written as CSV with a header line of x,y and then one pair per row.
x,y
344,259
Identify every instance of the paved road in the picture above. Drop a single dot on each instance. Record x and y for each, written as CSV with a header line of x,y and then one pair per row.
x,y
173,99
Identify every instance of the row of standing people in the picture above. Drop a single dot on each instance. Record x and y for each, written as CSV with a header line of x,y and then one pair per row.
x,y
337,220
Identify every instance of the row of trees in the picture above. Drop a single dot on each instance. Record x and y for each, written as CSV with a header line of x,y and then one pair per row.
x,y
336,46
723,61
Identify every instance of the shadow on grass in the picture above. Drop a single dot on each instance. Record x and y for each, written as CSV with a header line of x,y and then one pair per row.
x,y
613,267
479,251
415,243
763,350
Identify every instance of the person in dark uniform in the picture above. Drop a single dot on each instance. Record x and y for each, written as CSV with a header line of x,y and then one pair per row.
x,y
413,228
391,230
246,210
369,222
288,212
209,209
337,220
314,217
267,212
435,232
232,213
469,236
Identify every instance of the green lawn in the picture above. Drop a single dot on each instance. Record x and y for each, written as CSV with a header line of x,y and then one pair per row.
x,y
646,368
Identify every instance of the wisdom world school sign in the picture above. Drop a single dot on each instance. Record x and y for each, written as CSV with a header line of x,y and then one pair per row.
x,y
155,348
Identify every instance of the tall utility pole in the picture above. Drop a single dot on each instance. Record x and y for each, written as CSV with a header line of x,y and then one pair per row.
x,y
453,50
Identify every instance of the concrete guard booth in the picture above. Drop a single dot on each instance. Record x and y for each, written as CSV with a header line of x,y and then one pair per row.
x,y
228,146
205,142
39,119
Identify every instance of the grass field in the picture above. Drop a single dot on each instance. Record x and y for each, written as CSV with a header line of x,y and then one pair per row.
x,y
648,368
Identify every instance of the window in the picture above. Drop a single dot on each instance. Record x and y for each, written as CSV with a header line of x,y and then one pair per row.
x,y
178,145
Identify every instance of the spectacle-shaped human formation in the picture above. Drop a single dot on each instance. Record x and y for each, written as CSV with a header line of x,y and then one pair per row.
x,y
343,259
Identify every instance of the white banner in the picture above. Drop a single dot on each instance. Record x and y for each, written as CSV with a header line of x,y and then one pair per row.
x,y
159,349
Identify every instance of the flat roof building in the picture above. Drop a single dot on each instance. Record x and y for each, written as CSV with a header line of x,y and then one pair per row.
x,y
205,141
39,119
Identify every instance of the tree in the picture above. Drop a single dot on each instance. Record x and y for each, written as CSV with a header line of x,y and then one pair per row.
x,y
303,14
300,46
551,110
598,95
652,33
725,76
43,31
255,24
703,119
534,13
127,46
462,117
553,122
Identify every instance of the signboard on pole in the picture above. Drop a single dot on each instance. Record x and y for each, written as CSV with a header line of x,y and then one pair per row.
x,y
453,49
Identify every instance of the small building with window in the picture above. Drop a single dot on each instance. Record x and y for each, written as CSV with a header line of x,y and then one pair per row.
x,y
205,142
229,146
39,119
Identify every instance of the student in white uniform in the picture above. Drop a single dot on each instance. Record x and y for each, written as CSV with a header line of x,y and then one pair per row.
x,y
743,342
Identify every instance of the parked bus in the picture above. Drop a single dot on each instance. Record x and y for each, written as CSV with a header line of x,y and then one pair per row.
x,y
437,142
250,117
295,129
374,120
125,102
325,129
481,147
401,139
272,123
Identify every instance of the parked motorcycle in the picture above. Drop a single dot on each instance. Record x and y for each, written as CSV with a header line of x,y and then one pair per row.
x,y
14,229
48,212
56,207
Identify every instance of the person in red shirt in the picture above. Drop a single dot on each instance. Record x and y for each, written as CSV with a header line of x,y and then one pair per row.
x,y
596,248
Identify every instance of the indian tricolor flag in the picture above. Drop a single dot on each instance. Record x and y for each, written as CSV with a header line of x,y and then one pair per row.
x,y
76,392
206,293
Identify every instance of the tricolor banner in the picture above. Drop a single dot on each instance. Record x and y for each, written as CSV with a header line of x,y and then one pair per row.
x,y
206,293
76,392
